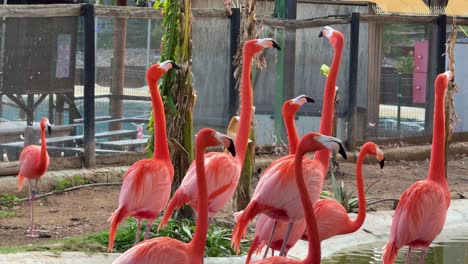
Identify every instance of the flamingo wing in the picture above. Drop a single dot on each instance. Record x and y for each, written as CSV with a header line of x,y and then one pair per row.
x,y
29,162
332,218
420,215
160,250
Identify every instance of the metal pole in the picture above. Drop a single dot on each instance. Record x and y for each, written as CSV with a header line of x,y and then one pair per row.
x,y
399,103
353,73
89,80
234,42
148,40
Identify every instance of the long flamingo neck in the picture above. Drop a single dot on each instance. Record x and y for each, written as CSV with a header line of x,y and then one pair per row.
x,y
245,108
201,230
361,216
437,165
293,137
313,253
328,107
161,148
43,147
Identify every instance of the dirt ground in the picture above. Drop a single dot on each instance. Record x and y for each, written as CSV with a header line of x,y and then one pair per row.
x,y
87,210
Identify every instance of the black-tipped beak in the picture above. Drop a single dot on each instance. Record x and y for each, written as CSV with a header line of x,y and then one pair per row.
x,y
49,129
382,163
342,151
321,33
231,147
275,45
309,100
175,66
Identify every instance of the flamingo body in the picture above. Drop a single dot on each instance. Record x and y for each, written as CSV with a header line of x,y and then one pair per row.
x,y
31,167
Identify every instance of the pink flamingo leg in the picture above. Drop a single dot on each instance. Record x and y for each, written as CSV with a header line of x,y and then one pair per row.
x,y
285,240
149,224
32,232
408,255
421,258
137,236
270,239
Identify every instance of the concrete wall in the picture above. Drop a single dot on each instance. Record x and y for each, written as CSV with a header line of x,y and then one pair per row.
x,y
460,98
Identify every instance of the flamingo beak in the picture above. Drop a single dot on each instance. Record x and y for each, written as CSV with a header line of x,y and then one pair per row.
x,y
231,147
382,163
342,151
49,129
175,66
309,100
275,45
321,34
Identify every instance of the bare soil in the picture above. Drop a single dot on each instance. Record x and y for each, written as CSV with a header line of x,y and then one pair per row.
x,y
86,210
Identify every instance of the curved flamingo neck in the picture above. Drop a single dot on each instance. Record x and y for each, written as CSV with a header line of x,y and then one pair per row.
x,y
44,155
328,106
313,253
201,230
242,136
291,131
437,164
161,148
361,216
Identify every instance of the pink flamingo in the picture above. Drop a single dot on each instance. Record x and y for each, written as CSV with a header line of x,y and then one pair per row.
x,y
420,214
34,162
223,171
265,224
168,250
279,176
332,218
309,142
147,184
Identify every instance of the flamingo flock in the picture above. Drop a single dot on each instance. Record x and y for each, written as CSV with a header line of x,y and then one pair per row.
x,y
286,198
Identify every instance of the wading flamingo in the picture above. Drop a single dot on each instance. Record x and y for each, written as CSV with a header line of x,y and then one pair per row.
x,y
332,218
34,162
420,214
309,142
222,170
264,225
279,176
147,184
165,250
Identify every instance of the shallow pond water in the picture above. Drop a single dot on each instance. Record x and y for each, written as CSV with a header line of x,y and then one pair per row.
x,y
451,251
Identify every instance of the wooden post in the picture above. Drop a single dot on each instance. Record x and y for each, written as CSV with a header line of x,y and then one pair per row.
x,y
436,65
234,41
89,80
353,73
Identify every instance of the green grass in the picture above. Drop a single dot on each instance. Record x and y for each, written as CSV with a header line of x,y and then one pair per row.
x,y
218,242
7,213
63,184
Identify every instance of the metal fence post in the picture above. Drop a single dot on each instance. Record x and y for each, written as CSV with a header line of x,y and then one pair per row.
x,y
353,75
87,11
234,42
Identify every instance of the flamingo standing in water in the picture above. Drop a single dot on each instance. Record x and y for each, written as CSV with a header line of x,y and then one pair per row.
x,y
332,218
223,170
279,176
147,184
309,142
421,212
34,162
265,224
165,250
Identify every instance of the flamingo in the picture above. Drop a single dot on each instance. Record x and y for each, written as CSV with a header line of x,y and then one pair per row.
x,y
309,142
279,176
421,212
264,223
223,170
168,250
147,183
332,218
34,162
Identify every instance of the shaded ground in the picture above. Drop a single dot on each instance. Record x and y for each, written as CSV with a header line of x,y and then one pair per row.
x,y
86,210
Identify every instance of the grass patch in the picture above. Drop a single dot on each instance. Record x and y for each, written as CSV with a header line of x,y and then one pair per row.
x,y
218,242
77,180
7,213
9,201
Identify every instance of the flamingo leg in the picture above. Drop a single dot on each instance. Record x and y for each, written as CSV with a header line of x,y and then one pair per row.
x,y
137,236
270,238
149,224
421,257
272,252
32,232
285,239
408,255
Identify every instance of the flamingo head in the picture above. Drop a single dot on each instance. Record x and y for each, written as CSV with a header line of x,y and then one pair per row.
x,y
210,138
256,45
373,149
442,80
335,37
46,124
313,141
155,71
291,106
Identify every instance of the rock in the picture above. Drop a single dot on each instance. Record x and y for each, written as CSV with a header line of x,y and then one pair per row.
x,y
465,195
455,196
